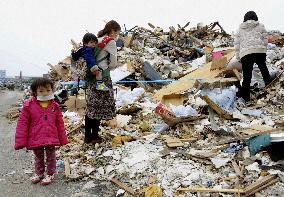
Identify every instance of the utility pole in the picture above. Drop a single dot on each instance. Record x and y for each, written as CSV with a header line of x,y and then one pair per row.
x,y
21,81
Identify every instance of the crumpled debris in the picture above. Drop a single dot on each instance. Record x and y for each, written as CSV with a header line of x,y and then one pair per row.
x,y
183,111
221,159
153,191
120,140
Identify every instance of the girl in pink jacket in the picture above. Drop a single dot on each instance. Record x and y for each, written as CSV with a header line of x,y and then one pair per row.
x,y
40,128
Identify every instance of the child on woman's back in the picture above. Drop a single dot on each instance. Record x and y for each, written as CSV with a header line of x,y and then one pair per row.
x,y
40,128
87,52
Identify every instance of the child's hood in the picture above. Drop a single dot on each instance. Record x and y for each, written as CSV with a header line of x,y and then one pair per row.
x,y
249,24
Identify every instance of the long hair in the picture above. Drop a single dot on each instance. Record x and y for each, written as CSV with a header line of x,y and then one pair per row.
x,y
111,25
251,15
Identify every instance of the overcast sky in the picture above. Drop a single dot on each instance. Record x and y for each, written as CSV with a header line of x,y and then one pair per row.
x,y
36,32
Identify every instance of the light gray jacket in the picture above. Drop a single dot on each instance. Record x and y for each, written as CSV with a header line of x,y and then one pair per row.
x,y
110,49
251,37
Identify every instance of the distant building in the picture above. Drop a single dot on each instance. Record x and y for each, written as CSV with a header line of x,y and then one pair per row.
x,y
45,75
2,74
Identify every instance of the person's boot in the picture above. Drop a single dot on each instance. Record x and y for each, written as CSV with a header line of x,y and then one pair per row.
x,y
97,140
88,128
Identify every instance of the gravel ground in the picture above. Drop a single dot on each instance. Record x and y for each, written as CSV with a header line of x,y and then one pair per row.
x,y
15,165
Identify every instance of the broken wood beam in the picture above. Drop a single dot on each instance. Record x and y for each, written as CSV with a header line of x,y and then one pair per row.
x,y
237,169
67,169
210,190
123,186
260,184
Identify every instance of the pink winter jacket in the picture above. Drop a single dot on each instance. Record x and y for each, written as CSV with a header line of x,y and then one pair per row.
x,y
38,127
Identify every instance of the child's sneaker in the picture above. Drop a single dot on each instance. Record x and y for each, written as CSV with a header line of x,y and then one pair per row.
x,y
36,178
47,179
101,86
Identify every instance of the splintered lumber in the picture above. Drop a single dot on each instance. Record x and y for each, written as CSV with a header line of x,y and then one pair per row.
x,y
187,82
67,169
237,169
255,130
176,120
231,73
173,142
123,186
217,108
210,190
279,122
260,185
217,82
272,83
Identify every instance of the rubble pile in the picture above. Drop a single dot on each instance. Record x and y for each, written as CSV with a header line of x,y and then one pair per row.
x,y
171,54
190,134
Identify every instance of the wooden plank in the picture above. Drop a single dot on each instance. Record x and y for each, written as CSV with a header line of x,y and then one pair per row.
x,y
272,83
251,132
175,120
257,189
217,82
231,73
193,139
237,169
173,142
123,186
259,183
217,108
279,122
67,169
184,84
210,190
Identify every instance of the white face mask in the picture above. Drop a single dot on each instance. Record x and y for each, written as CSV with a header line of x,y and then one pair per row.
x,y
45,98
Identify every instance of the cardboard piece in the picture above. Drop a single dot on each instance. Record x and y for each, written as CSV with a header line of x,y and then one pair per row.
x,y
77,104
174,99
218,63
172,142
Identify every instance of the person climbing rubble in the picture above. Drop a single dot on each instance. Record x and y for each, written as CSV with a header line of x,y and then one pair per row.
x,y
250,45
